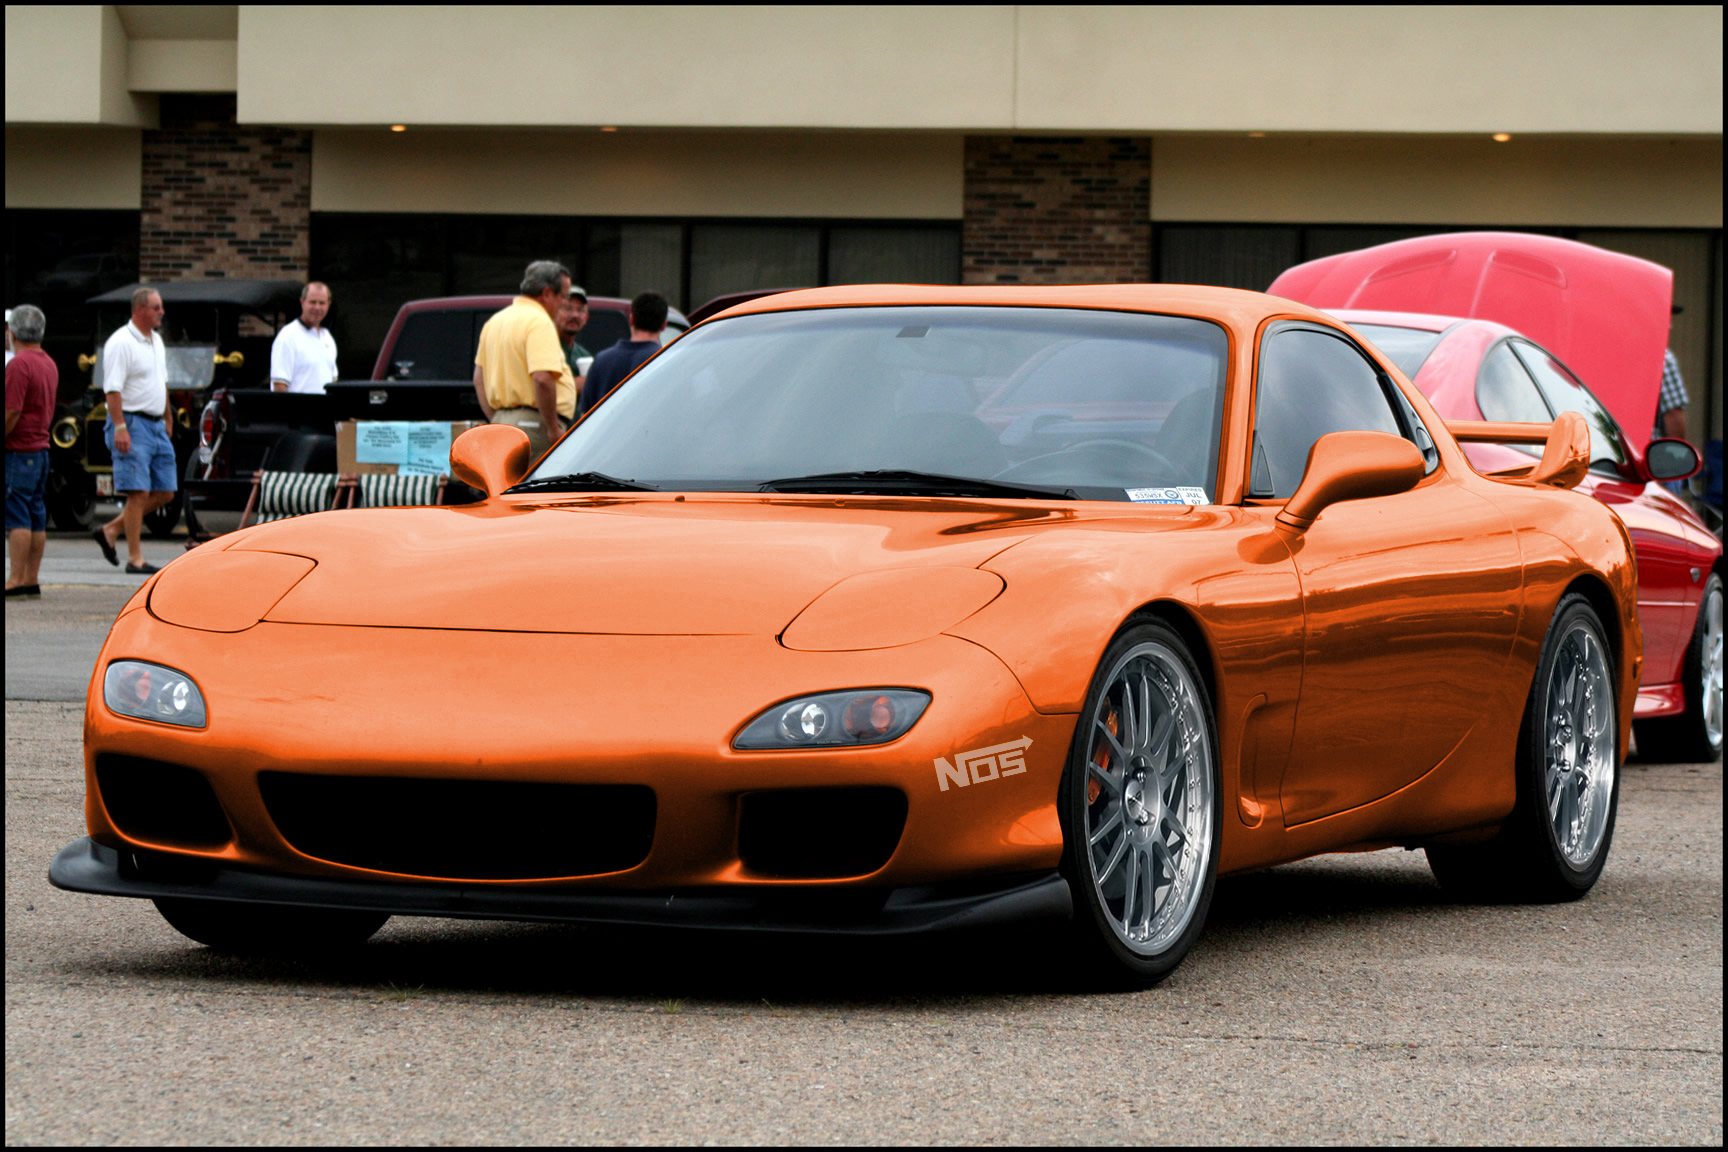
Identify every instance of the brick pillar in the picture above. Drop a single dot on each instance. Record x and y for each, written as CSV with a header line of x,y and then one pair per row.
x,y
1057,210
222,199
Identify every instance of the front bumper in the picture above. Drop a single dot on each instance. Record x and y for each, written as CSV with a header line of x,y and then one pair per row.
x,y
86,866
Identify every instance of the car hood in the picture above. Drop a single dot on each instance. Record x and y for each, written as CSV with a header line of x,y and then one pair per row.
x,y
1604,314
654,565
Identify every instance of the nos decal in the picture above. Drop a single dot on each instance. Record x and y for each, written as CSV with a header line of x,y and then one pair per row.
x,y
982,764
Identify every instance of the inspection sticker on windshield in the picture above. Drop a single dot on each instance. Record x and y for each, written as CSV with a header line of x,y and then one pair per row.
x,y
1167,495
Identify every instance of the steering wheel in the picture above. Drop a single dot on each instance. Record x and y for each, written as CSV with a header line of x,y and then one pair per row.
x,y
1025,470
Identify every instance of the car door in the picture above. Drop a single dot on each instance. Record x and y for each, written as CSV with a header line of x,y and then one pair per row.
x,y
1667,596
1409,602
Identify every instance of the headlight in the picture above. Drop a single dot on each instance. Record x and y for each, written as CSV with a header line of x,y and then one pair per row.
x,y
836,720
152,692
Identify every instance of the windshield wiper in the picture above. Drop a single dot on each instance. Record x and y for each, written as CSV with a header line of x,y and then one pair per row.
x,y
580,482
896,480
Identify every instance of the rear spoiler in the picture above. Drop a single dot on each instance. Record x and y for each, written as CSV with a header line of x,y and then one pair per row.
x,y
1565,453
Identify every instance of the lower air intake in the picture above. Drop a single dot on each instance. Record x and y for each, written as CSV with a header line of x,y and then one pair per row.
x,y
463,829
811,833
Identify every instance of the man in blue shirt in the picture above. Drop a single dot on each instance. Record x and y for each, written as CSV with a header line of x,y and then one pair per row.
x,y
647,321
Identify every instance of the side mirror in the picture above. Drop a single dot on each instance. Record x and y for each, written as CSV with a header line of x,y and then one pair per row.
x,y
1352,466
1671,459
491,457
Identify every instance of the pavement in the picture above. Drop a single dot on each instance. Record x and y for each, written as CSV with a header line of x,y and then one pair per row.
x,y
1343,999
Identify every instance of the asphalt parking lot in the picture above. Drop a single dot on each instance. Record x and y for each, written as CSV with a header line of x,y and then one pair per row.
x,y
1340,1000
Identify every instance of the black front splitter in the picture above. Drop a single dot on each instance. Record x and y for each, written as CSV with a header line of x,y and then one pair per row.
x,y
86,866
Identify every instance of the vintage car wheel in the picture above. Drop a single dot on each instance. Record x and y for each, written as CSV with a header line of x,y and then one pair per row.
x,y
1694,736
71,500
1553,846
1141,804
161,522
229,926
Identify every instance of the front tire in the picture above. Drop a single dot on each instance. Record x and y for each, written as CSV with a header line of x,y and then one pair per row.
x,y
1694,736
251,929
1141,807
1554,845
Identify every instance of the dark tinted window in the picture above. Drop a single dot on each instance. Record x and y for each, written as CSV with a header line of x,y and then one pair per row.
x,y
1504,390
1406,347
1565,394
434,346
1311,383
604,329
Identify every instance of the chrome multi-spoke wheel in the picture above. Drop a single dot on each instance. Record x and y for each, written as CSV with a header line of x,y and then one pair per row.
x,y
1710,664
1579,745
1555,841
1696,734
1144,801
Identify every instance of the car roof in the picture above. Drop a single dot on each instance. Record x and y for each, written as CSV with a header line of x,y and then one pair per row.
x,y
1235,305
259,295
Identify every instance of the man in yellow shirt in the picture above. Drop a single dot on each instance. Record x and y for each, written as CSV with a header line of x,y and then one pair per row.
x,y
520,373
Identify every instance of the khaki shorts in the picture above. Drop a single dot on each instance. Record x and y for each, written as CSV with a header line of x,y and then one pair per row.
x,y
527,419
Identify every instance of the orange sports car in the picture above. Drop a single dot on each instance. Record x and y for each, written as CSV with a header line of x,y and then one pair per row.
x,y
891,608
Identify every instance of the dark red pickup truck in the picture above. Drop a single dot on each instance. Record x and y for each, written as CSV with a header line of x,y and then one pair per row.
x,y
425,371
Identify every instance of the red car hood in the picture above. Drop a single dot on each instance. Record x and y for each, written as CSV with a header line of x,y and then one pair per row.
x,y
1604,314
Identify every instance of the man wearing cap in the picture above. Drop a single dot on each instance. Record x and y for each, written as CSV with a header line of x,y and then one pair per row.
x,y
140,428
303,355
572,318
520,373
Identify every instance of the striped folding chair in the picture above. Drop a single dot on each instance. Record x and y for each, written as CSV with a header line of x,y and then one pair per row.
x,y
279,495
382,491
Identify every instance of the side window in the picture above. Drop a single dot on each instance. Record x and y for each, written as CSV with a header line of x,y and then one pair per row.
x,y
1504,391
1565,394
1311,383
430,347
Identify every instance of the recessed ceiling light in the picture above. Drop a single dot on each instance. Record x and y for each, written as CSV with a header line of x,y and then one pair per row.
x,y
398,127
1502,137
609,128
1256,135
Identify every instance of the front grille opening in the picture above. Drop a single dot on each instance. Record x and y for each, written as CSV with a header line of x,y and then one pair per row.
x,y
160,802
463,829
810,833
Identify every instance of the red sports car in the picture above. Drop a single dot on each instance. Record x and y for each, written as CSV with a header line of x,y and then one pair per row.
x,y
1490,326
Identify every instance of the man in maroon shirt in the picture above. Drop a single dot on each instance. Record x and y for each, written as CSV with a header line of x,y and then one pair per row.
x,y
31,384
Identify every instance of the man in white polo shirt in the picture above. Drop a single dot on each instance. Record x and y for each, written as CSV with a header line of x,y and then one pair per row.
x,y
140,428
303,358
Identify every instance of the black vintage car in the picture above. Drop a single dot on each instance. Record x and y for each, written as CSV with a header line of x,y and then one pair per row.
x,y
218,335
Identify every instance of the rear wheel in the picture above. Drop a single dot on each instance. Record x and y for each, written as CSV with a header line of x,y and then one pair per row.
x,y
1556,841
1695,736
229,926
1140,803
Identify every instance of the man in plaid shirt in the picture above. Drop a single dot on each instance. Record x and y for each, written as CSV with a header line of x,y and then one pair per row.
x,y
1671,410
1671,405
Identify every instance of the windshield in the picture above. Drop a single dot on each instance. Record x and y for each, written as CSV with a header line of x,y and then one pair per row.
x,y
1110,405
1406,347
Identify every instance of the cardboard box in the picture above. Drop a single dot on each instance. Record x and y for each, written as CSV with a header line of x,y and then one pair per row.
x,y
347,438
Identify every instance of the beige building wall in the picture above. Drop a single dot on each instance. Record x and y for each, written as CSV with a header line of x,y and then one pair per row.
x,y
66,64
1529,180
1371,68
993,68
808,174
91,167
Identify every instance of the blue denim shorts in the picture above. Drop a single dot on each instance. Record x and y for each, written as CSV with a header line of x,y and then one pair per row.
x,y
150,466
26,482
